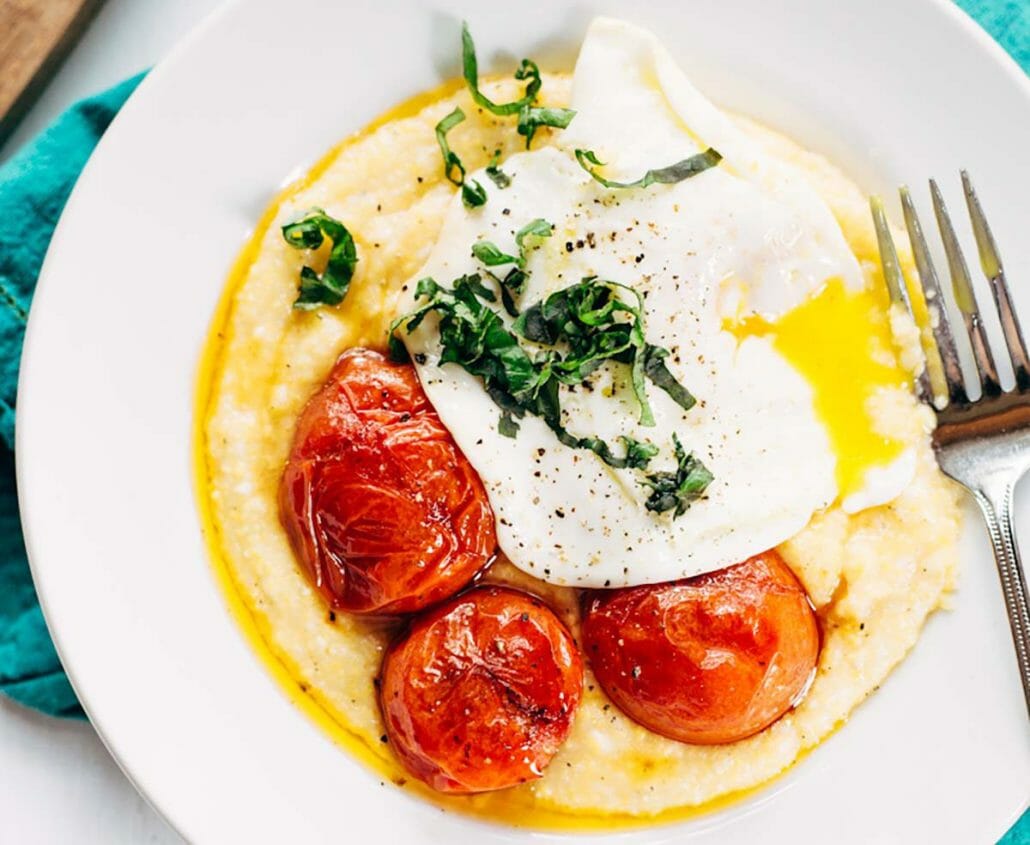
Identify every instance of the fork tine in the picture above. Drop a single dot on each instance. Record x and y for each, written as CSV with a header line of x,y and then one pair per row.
x,y
895,280
944,340
991,263
962,286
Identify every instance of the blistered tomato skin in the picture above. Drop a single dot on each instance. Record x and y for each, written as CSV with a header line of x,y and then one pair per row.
x,y
706,660
480,693
384,512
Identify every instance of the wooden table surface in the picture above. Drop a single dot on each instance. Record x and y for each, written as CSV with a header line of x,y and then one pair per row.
x,y
58,784
35,36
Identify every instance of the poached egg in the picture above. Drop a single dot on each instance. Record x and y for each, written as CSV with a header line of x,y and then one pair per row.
x,y
745,275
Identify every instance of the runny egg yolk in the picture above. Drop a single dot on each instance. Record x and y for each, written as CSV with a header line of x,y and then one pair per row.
x,y
841,342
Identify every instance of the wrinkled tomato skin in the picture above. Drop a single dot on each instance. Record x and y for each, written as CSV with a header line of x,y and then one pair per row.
x,y
706,660
480,693
383,511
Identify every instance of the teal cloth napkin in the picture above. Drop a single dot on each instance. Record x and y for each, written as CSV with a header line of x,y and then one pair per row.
x,y
1008,22
34,186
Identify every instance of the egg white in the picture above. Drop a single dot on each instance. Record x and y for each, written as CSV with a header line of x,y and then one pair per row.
x,y
750,236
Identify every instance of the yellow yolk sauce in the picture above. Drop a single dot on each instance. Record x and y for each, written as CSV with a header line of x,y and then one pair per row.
x,y
841,342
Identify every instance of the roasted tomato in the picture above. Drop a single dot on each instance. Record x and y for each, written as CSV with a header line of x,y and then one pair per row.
x,y
480,693
706,660
383,510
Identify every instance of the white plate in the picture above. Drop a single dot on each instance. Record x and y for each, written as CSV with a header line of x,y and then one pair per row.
x,y
941,753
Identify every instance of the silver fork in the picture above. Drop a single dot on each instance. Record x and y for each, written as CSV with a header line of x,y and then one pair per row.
x,y
982,443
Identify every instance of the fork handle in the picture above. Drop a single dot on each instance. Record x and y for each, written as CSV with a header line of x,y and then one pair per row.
x,y
995,498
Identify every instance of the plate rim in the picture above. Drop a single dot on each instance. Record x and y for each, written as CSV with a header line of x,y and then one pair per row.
x,y
32,524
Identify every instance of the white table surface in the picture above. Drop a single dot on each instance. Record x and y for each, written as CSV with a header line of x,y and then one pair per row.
x,y
58,784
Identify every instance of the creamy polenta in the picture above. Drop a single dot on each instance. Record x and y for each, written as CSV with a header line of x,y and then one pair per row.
x,y
873,576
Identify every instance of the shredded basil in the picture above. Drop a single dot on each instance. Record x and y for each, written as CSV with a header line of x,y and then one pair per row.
x,y
471,194
330,287
677,172
473,336
638,454
675,491
491,256
527,70
591,317
395,346
506,425
655,369
538,228
470,65
532,118
453,169
493,170
593,324
511,286
488,252
587,318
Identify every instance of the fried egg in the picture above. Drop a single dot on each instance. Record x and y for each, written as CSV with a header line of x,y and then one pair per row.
x,y
746,279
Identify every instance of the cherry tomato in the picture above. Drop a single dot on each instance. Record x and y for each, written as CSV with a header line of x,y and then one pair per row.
x,y
705,660
481,692
383,510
